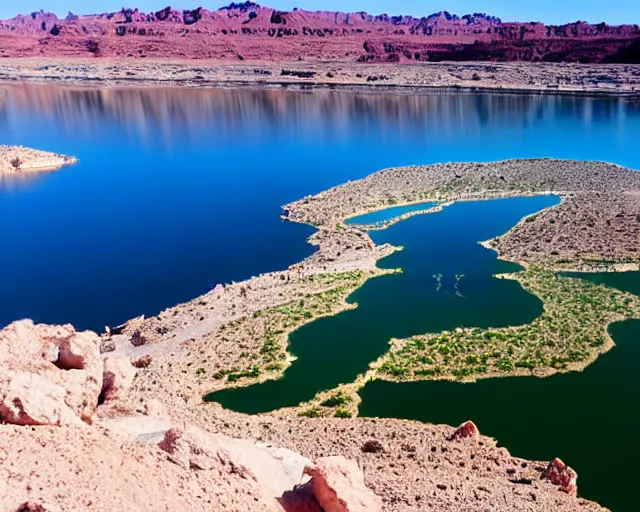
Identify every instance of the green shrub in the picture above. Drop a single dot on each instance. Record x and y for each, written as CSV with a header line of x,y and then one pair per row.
x,y
314,412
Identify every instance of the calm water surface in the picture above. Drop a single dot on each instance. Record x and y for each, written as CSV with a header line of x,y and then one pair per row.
x,y
589,419
178,190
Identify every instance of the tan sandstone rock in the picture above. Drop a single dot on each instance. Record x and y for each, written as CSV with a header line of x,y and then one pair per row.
x,y
49,375
118,376
155,409
338,486
196,449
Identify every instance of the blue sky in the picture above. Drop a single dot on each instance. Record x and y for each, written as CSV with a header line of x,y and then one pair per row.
x,y
549,11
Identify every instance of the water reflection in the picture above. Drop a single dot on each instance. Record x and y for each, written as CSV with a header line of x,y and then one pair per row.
x,y
170,111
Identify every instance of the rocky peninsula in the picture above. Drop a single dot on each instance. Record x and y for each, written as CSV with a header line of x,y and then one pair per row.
x,y
140,385
18,160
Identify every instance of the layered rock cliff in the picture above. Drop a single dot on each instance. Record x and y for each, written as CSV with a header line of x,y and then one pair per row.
x,y
247,30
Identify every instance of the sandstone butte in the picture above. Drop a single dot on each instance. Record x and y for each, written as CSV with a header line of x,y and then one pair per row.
x,y
248,31
70,440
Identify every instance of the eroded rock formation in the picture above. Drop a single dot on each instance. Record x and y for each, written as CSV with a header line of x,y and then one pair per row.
x,y
51,375
247,30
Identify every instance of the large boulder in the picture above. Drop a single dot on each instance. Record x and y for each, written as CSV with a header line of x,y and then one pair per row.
x,y
49,375
338,486
117,377
558,473
467,430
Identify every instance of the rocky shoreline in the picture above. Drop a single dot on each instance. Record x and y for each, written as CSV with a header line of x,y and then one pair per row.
x,y
237,335
102,443
18,160
486,77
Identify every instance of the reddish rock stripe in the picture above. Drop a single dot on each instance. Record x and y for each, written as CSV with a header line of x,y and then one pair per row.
x,y
249,31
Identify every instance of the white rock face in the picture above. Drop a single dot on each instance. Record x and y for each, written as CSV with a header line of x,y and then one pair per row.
x,y
49,375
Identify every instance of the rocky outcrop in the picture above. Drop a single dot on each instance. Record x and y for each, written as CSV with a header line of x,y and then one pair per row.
x,y
467,430
338,486
51,375
118,375
134,457
198,450
558,473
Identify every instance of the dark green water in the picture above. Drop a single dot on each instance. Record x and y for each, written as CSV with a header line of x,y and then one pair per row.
x,y
336,349
589,419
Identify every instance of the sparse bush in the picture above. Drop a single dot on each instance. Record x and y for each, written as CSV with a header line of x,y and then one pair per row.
x,y
314,412
16,163
137,339
372,446
336,400
143,362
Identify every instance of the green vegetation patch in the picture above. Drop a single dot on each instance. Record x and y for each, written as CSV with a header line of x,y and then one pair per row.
x,y
263,336
570,331
337,400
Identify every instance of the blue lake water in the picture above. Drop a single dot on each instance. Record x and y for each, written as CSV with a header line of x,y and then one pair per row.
x,y
177,190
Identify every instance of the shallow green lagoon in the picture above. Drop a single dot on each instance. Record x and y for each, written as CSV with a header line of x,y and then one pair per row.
x,y
589,419
446,282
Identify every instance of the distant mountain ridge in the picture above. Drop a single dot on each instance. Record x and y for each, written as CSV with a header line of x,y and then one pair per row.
x,y
250,31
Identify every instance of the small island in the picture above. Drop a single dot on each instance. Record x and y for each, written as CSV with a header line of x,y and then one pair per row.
x,y
16,160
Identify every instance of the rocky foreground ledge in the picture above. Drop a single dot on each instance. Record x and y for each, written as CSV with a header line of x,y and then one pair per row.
x,y
18,160
76,435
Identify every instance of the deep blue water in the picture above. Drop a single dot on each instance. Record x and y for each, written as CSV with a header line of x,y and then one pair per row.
x,y
177,190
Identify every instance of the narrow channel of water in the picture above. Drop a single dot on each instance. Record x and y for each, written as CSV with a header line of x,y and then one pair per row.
x,y
446,282
589,419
